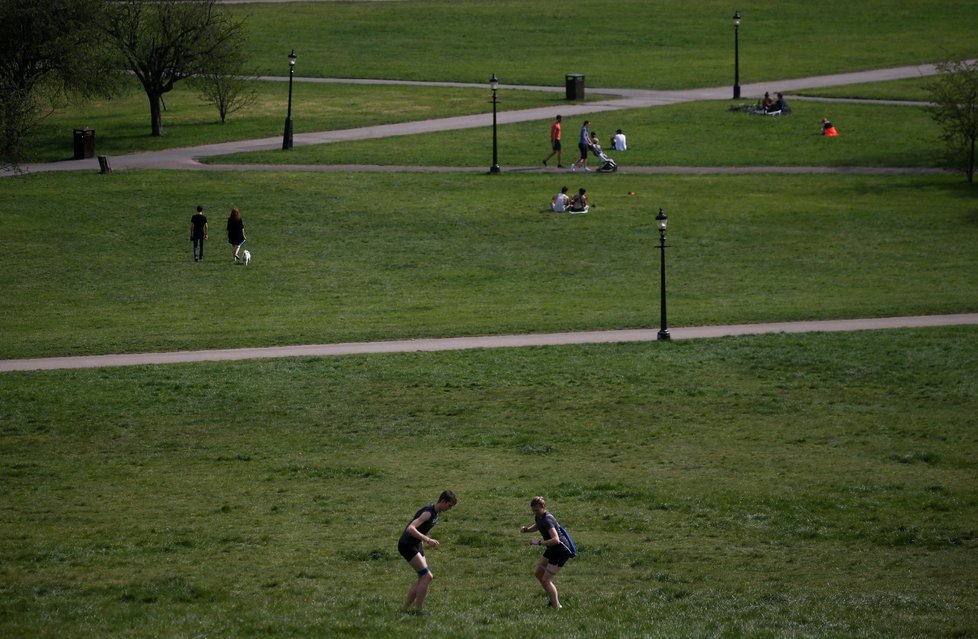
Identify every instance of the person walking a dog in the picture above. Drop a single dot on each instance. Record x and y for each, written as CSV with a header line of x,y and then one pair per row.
x,y
236,234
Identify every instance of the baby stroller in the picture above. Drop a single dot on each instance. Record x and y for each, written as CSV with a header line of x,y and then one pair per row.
x,y
609,166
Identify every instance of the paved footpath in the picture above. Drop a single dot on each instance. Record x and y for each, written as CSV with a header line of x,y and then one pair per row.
x,y
481,342
620,99
186,158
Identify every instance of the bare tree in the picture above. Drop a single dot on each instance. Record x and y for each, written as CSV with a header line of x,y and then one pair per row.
x,y
227,89
955,97
166,41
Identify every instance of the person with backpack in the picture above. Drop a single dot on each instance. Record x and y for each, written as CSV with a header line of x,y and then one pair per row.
x,y
559,546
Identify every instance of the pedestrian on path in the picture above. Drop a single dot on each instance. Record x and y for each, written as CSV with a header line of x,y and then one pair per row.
x,y
411,547
236,234
583,145
555,143
198,233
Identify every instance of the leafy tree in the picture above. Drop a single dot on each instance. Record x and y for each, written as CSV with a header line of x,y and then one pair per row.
x,y
49,51
955,96
165,41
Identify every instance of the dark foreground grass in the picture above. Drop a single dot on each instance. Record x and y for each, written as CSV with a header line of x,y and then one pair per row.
x,y
341,257
770,486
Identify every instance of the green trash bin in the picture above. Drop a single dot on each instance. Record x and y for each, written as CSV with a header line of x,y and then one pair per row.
x,y
574,84
84,143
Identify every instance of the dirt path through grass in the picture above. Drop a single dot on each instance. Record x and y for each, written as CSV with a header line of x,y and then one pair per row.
x,y
481,342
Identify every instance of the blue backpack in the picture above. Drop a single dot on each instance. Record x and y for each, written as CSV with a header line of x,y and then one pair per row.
x,y
570,542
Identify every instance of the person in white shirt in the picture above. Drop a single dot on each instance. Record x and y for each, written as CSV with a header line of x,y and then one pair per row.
x,y
559,202
618,143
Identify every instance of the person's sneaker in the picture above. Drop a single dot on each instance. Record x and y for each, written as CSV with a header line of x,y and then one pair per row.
x,y
573,168
587,169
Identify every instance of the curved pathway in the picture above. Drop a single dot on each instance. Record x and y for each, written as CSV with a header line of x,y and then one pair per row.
x,y
186,158
479,342
624,99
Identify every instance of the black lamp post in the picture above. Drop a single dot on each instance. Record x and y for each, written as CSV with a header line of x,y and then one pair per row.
x,y
494,84
287,137
662,219
736,20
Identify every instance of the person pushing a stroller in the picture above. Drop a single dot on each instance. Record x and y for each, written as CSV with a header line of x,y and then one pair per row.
x,y
608,165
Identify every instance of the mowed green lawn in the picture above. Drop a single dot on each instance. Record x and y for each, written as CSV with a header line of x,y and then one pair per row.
x,y
767,486
121,123
636,43
658,44
341,257
689,134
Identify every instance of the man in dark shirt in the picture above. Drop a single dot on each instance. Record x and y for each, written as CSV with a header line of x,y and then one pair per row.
x,y
410,546
198,233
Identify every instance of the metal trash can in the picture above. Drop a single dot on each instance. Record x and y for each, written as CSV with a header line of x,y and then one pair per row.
x,y
574,83
84,143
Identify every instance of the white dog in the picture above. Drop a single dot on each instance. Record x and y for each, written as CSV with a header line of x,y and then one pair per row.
x,y
247,257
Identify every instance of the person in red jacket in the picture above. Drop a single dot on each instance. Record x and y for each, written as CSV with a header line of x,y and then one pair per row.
x,y
828,129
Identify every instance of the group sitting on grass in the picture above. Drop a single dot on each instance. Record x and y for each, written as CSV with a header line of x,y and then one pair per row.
x,y
772,106
563,203
768,105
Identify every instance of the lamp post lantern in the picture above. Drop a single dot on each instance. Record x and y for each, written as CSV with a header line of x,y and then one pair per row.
x,y
287,137
494,85
736,87
662,219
